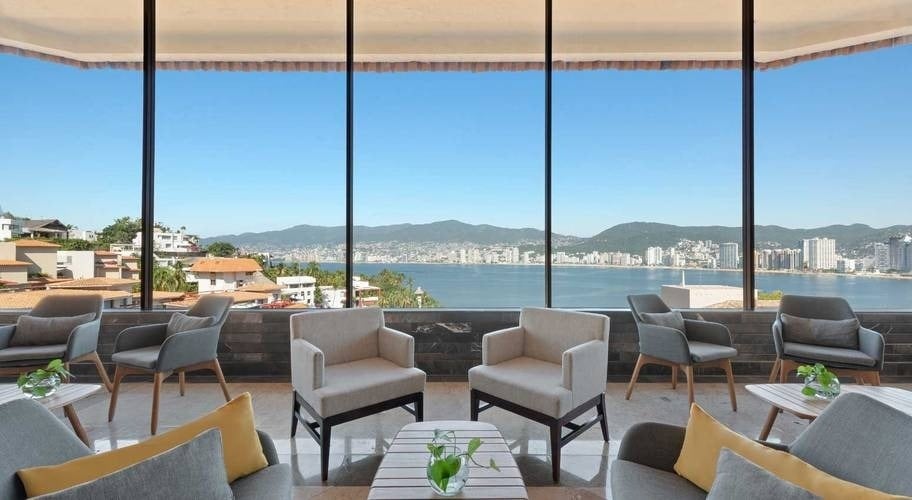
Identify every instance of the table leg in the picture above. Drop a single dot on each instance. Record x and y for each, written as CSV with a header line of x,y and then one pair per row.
x,y
70,413
768,425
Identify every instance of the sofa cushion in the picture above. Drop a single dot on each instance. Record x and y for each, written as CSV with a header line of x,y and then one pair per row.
x,y
144,357
528,382
181,322
348,386
33,330
877,435
33,353
671,319
241,449
737,477
192,470
550,332
700,352
633,481
828,354
829,333
272,482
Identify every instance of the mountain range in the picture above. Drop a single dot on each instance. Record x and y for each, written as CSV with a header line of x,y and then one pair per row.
x,y
633,237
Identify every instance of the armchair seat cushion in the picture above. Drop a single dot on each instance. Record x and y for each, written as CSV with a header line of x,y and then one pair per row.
x,y
828,354
527,382
144,357
633,480
33,354
356,384
701,352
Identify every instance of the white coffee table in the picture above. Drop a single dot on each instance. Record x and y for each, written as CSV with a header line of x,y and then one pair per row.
x,y
64,398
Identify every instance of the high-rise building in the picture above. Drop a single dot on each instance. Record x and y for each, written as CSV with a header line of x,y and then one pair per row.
x,y
820,253
881,257
900,247
728,256
654,256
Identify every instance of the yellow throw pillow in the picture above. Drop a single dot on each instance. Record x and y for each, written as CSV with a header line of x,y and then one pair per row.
x,y
241,448
705,437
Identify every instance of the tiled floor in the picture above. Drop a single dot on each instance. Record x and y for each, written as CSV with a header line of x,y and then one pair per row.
x,y
357,447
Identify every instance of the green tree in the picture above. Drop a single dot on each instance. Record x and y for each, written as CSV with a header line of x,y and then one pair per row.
x,y
122,230
221,249
398,290
171,279
74,244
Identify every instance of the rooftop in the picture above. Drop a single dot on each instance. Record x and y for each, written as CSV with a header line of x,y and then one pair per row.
x,y
91,283
13,263
28,299
225,265
25,242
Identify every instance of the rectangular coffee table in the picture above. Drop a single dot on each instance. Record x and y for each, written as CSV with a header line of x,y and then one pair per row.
x,y
788,398
64,398
403,472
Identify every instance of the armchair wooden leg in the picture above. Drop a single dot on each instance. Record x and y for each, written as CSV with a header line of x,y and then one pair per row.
x,y
603,422
119,373
555,451
674,378
295,410
785,367
217,368
157,379
730,376
689,374
473,405
859,379
102,373
325,434
182,382
876,377
636,374
775,373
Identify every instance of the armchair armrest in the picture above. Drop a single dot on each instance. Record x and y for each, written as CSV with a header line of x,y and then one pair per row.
x,y
269,449
502,345
397,347
585,369
307,365
188,348
707,331
653,445
140,336
872,344
777,337
83,339
664,343
6,333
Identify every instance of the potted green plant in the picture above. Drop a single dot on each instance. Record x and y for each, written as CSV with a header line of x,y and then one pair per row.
x,y
43,382
818,381
448,466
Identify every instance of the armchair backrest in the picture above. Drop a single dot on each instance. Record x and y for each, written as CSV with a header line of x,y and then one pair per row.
x,y
647,303
56,306
212,306
343,335
550,332
829,308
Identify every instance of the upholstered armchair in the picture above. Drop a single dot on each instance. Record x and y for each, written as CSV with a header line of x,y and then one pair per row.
x,y
825,330
552,368
58,327
666,338
345,365
188,342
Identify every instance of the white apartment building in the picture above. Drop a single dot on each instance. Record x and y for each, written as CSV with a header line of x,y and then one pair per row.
x,y
82,234
9,228
819,253
728,256
221,274
845,266
654,256
298,288
76,264
881,257
176,242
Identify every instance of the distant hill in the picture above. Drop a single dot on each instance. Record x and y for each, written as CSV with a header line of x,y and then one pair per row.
x,y
633,237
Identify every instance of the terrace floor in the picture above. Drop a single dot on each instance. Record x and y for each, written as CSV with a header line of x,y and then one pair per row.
x,y
357,447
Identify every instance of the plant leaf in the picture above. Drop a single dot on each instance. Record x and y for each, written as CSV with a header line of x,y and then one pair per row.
x,y
438,474
474,444
492,464
807,391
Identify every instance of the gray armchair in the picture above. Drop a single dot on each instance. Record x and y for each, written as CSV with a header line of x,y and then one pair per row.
x,y
151,349
81,344
689,343
846,347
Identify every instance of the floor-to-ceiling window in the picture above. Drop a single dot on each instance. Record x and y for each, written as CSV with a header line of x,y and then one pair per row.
x,y
647,153
833,168
448,143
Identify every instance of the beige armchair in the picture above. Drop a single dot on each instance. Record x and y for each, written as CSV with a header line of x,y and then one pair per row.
x,y
346,364
551,369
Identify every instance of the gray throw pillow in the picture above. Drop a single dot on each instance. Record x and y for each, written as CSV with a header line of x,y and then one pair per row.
x,y
181,322
739,478
822,332
194,470
35,330
672,319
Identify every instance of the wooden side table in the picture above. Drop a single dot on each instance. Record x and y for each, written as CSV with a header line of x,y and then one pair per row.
x,y
64,398
403,472
788,398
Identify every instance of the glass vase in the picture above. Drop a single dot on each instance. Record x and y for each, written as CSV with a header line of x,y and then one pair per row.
x,y
454,483
41,388
819,390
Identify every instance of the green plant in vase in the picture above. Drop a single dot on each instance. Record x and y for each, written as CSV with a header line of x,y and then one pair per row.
x,y
818,381
448,467
43,382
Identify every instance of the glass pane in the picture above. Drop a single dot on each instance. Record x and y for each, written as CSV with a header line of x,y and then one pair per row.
x,y
832,142
70,151
250,154
647,153
449,178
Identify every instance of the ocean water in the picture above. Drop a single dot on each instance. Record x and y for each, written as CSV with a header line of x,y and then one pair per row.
x,y
492,286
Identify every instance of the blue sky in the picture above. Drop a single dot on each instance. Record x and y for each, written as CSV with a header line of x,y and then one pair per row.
x,y
257,151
